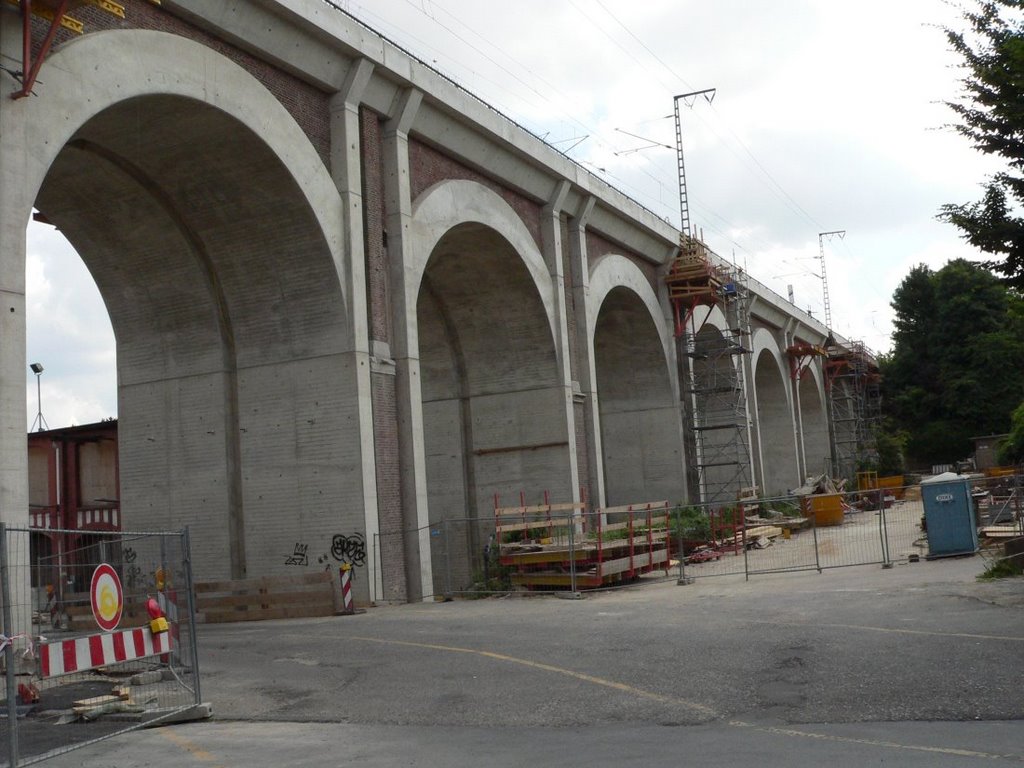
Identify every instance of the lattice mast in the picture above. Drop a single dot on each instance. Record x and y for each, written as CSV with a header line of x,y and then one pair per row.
x,y
840,233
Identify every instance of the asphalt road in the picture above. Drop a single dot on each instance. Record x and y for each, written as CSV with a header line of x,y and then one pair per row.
x,y
918,665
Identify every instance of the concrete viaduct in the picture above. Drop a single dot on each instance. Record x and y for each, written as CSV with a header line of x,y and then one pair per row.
x,y
348,296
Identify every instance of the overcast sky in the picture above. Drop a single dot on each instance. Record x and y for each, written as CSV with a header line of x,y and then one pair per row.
x,y
827,116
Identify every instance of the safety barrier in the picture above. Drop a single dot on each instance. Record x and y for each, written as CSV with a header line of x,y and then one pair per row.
x,y
98,637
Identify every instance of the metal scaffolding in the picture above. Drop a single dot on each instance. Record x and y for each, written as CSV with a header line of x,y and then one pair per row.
x,y
715,400
853,383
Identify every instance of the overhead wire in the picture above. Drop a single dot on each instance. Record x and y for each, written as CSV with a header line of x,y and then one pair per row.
x,y
601,140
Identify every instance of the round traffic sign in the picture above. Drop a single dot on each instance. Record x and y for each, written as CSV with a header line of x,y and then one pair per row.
x,y
106,597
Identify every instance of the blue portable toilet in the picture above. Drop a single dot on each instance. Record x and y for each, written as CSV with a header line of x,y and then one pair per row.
x,y
949,515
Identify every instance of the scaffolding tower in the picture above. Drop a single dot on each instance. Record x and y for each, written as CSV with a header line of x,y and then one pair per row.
x,y
713,370
854,396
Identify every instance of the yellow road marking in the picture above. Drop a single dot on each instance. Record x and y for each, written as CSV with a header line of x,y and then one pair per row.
x,y
640,692
623,687
875,742
899,630
196,751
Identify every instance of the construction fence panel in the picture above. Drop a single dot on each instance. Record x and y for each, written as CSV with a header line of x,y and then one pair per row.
x,y
711,540
902,514
461,551
999,503
98,635
850,528
564,548
781,536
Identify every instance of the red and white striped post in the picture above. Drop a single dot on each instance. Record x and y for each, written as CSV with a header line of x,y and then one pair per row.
x,y
347,606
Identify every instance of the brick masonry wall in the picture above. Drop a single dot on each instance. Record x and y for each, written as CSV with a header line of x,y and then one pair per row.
x,y
427,166
383,391
389,487
306,104
370,149
597,247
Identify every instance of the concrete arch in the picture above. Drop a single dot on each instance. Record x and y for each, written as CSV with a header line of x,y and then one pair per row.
x,y
125,64
640,426
228,295
614,271
776,427
448,204
814,422
481,330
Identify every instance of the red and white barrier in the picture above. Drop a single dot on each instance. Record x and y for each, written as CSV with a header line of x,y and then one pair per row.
x,y
347,606
84,653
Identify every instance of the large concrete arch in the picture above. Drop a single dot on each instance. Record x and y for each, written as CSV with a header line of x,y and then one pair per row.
x,y
448,204
778,464
640,428
493,416
214,232
814,422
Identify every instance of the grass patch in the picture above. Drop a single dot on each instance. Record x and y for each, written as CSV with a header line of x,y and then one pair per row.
x,y
1003,568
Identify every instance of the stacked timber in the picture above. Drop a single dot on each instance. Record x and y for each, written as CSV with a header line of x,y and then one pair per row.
x,y
560,551
693,279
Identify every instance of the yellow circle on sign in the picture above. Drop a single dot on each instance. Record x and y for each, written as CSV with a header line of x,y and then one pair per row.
x,y
108,602
106,597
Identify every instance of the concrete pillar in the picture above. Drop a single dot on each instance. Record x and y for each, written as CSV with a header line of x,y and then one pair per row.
x,y
551,244
398,213
15,208
346,170
586,368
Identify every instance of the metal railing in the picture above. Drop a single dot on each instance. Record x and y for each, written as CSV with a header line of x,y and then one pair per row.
x,y
98,636
545,549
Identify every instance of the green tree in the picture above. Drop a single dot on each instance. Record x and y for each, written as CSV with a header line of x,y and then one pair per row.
x,y
991,116
1011,451
954,371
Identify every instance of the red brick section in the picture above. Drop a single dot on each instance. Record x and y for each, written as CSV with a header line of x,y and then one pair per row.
x,y
427,166
370,149
383,392
389,490
597,247
306,104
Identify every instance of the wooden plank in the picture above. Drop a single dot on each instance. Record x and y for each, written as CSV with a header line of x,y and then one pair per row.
x,y
539,558
267,599
639,560
267,582
638,524
568,506
554,580
263,614
95,701
1000,531
554,523
297,589
532,509
656,506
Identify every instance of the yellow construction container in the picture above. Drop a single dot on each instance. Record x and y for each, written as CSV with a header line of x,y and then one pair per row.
x,y
825,508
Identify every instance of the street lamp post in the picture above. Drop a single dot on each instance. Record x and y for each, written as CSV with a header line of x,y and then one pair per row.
x,y
37,369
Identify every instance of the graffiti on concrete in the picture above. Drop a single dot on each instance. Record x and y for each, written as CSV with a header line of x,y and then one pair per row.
x,y
349,549
132,572
299,556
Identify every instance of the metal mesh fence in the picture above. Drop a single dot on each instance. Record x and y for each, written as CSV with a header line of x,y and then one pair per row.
x,y
563,548
83,660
